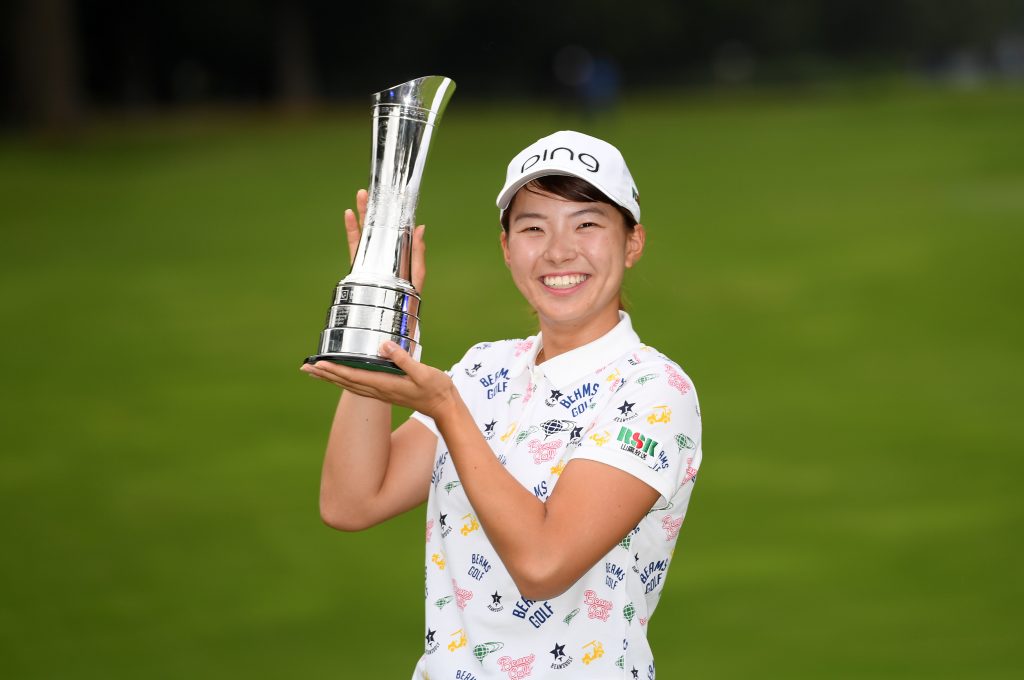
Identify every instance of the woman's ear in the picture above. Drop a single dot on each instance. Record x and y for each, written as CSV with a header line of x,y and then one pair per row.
x,y
504,248
635,241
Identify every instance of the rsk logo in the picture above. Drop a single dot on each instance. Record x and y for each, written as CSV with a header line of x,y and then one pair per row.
x,y
636,443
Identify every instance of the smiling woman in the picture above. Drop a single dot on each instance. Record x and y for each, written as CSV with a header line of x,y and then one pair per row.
x,y
568,256
557,469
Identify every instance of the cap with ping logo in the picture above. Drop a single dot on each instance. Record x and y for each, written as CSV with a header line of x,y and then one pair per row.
x,y
576,155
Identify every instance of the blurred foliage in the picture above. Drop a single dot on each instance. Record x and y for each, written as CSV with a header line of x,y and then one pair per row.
x,y
147,54
837,271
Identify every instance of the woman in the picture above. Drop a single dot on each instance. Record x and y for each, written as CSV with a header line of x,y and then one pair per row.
x,y
556,469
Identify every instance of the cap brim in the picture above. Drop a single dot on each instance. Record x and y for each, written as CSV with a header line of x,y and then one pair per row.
x,y
505,197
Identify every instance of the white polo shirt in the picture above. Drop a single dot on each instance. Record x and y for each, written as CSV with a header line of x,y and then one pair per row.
x,y
615,401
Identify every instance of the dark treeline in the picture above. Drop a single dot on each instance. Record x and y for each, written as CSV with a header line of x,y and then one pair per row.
x,y
62,57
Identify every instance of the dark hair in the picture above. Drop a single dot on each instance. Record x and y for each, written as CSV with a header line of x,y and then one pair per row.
x,y
571,189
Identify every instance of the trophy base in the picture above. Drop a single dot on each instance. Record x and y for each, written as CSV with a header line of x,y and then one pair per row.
x,y
359,347
365,363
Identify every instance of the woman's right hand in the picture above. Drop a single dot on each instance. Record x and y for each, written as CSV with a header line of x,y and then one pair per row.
x,y
354,229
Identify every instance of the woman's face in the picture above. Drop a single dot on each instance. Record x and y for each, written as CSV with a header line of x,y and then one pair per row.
x,y
568,259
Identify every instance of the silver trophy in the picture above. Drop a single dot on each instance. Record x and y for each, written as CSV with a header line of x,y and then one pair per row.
x,y
377,301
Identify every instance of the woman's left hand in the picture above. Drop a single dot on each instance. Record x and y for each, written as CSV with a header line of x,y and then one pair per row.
x,y
423,387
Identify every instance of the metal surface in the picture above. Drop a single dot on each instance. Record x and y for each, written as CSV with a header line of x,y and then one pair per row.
x,y
377,300
373,318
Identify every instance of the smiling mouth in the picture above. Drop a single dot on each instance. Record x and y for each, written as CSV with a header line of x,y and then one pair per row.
x,y
564,280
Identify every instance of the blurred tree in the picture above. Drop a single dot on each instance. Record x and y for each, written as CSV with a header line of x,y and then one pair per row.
x,y
174,52
46,74
296,83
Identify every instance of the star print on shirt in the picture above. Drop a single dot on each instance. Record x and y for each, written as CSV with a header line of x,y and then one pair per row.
x,y
634,671
443,523
430,635
496,598
576,433
558,652
489,427
626,407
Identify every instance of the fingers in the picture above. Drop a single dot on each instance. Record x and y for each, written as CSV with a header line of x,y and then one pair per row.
x,y
354,226
352,233
361,200
419,257
317,371
340,376
422,388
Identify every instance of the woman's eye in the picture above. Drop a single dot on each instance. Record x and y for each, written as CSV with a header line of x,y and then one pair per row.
x,y
588,224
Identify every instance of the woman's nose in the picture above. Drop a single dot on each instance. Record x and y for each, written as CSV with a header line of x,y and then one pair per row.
x,y
561,247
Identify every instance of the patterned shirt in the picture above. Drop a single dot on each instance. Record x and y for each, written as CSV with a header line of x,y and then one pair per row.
x,y
613,400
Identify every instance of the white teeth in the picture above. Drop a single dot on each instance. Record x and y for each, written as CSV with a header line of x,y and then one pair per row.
x,y
564,281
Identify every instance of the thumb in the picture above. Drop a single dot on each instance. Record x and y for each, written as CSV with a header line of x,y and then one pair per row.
x,y
419,258
398,355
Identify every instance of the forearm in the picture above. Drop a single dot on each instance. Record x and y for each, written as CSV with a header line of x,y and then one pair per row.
x,y
355,462
513,518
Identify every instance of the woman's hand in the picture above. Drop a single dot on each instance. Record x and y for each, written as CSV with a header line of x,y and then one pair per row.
x,y
422,388
354,229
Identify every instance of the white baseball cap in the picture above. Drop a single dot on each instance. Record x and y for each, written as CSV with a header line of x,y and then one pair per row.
x,y
576,155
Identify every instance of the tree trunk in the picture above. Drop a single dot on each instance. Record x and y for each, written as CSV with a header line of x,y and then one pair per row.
x,y
295,79
46,69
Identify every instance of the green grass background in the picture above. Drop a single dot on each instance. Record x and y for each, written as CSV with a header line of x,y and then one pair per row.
x,y
839,271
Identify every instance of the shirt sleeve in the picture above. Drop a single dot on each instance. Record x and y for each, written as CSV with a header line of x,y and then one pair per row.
x,y
650,428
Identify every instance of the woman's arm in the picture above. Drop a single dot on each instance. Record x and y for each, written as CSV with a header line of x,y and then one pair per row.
x,y
546,546
371,474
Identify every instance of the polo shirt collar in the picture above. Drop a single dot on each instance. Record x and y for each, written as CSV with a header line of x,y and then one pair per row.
x,y
569,367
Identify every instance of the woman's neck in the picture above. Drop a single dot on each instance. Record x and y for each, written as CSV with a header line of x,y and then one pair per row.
x,y
558,339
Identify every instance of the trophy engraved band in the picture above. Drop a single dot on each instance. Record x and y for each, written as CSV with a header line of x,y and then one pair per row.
x,y
377,301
